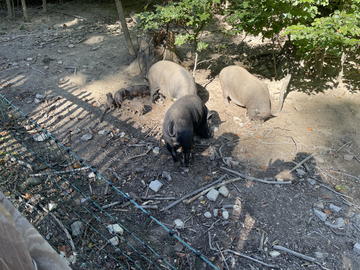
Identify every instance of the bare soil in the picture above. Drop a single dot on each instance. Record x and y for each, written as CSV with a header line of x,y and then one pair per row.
x,y
318,116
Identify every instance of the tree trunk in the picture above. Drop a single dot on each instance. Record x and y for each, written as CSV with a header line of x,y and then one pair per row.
x,y
26,15
11,13
44,6
129,44
319,63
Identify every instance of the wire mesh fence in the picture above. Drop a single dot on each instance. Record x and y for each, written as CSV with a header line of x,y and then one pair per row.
x,y
66,201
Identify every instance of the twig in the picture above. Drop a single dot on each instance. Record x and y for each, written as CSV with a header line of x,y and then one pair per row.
x,y
192,193
56,172
299,255
151,131
22,163
261,246
222,256
109,205
38,70
255,179
48,110
255,260
141,155
66,232
212,225
117,176
303,161
338,193
158,198
147,206
346,144
210,243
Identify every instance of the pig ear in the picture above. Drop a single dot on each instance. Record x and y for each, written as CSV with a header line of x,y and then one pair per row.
x,y
209,115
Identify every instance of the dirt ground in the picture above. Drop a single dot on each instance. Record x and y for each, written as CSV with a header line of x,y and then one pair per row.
x,y
320,117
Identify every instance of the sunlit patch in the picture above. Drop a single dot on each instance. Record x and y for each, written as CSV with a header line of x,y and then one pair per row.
x,y
94,40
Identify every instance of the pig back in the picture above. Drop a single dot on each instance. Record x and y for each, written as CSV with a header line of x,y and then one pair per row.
x,y
171,79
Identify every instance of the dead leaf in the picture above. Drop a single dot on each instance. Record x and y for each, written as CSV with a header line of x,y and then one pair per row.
x,y
248,155
263,167
27,196
77,166
309,128
258,136
327,212
180,254
326,197
207,178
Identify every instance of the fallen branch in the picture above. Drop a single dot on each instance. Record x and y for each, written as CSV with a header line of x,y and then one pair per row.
x,y
158,198
208,189
210,243
56,172
255,260
303,161
255,179
299,255
192,193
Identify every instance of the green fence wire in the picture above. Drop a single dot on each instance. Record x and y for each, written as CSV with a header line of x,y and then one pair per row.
x,y
50,186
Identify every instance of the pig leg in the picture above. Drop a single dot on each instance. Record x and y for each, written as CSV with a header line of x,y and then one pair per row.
x,y
225,95
186,157
152,93
173,152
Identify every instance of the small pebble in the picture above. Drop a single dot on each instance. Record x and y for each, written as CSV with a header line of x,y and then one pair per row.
x,y
274,253
212,195
114,241
115,228
336,224
334,207
311,181
216,212
357,248
71,46
86,137
225,214
139,169
179,224
207,214
321,215
77,228
156,150
348,157
155,185
224,191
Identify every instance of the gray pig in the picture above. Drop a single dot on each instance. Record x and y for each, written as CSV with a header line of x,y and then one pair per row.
x,y
246,90
186,116
171,79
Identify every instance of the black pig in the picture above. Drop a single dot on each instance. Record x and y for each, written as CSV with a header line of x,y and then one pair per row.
x,y
186,116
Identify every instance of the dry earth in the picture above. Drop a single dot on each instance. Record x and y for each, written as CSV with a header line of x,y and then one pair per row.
x,y
323,118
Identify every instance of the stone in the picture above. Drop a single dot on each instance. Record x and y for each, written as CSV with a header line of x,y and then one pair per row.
x,y
274,253
52,206
139,169
40,137
71,46
207,214
319,205
86,137
178,247
320,255
216,212
75,131
212,195
336,224
29,59
321,215
357,248
334,207
114,241
166,175
224,191
44,26
179,224
156,150
115,228
311,181
77,228
225,214
155,185
348,157
214,129
46,67
91,175
300,172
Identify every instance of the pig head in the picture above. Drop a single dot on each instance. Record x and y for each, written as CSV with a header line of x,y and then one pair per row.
x,y
187,116
171,79
246,90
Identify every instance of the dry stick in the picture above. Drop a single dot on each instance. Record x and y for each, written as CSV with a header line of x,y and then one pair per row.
x,y
208,189
158,198
255,179
192,193
303,161
222,256
38,70
56,172
66,232
349,175
255,260
210,244
141,155
299,255
22,163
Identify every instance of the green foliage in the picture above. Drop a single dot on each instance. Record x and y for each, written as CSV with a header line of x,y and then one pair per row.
x,y
311,24
191,15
